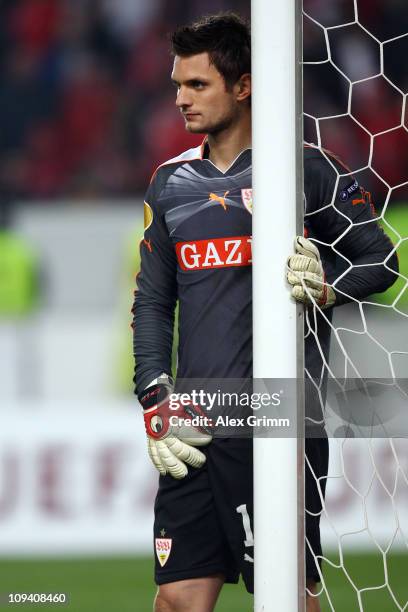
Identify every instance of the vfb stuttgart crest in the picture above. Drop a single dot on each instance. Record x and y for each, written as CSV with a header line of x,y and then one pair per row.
x,y
163,548
246,195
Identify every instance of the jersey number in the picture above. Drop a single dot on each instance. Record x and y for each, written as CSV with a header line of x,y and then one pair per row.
x,y
246,523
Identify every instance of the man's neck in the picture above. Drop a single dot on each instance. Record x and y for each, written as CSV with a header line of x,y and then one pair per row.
x,y
225,146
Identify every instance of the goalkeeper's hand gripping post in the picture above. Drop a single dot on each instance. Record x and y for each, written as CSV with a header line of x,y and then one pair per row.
x,y
306,275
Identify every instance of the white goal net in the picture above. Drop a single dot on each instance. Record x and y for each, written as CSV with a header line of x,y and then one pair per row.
x,y
356,85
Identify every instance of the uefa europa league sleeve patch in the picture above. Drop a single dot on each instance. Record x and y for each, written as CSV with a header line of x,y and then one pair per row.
x,y
163,549
148,216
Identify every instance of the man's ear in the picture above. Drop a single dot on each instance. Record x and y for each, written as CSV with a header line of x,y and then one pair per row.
x,y
244,87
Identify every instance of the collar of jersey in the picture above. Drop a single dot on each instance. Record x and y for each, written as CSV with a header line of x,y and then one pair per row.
x,y
205,152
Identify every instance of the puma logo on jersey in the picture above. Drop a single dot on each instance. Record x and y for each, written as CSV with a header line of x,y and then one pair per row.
x,y
365,199
148,244
219,199
227,252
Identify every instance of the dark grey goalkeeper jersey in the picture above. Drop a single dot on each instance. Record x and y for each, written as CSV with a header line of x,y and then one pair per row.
x,y
197,249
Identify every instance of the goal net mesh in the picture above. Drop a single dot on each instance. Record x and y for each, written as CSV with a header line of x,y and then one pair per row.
x,y
355,94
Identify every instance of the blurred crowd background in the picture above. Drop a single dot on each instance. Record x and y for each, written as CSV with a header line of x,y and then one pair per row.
x,y
369,55
86,104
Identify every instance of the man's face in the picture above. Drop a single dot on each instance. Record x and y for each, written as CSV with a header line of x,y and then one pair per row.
x,y
202,96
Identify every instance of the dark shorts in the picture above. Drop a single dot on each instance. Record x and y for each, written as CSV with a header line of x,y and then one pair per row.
x,y
203,523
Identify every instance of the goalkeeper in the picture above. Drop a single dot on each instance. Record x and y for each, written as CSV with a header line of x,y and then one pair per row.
x,y
197,250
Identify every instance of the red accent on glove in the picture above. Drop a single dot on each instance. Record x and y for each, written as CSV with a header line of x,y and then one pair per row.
x,y
157,418
157,421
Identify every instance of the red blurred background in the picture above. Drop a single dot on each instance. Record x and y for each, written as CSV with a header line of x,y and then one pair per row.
x,y
86,104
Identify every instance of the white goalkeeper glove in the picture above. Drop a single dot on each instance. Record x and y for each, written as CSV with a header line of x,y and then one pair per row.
x,y
306,275
171,447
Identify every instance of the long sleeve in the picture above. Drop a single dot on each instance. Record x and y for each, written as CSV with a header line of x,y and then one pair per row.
x,y
155,296
340,215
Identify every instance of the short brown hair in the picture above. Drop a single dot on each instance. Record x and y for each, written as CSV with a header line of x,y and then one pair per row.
x,y
226,37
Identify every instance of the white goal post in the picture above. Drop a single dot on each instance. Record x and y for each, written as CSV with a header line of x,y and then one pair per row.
x,y
278,323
